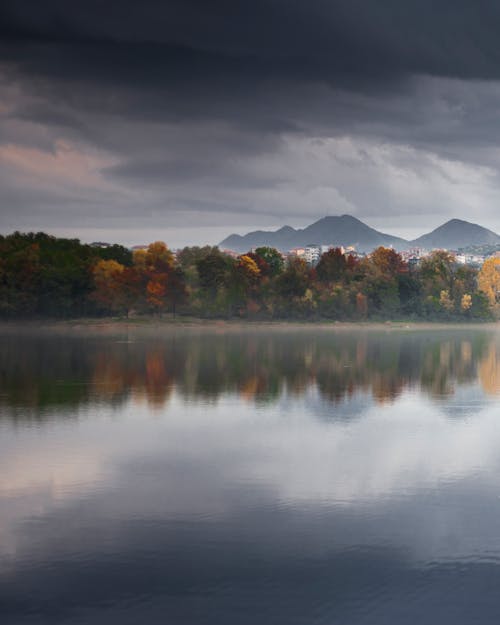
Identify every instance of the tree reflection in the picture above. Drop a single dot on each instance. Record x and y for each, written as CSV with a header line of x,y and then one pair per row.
x,y
489,370
43,373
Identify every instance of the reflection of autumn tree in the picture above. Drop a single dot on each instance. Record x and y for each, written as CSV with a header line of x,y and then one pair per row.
x,y
387,388
489,370
447,363
50,372
158,382
362,365
144,372
110,381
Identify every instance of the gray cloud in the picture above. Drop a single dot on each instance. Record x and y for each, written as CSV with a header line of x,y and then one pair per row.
x,y
236,115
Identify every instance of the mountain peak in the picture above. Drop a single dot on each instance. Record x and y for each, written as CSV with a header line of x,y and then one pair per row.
x,y
339,218
457,233
332,230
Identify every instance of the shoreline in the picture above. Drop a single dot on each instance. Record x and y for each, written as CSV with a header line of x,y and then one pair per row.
x,y
167,324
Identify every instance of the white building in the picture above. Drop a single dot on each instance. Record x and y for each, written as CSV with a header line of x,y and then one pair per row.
x,y
312,254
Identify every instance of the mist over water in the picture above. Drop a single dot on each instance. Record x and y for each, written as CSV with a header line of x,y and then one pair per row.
x,y
287,475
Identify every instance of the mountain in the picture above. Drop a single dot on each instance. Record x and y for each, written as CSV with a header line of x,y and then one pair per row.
x,y
343,230
456,233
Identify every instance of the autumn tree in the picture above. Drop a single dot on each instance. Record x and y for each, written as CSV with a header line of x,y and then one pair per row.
x,y
388,261
139,260
155,265
159,259
242,286
247,270
108,285
489,282
272,258
156,291
261,264
466,303
130,289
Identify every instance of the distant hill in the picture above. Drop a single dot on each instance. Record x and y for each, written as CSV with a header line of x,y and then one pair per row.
x,y
343,230
347,230
457,233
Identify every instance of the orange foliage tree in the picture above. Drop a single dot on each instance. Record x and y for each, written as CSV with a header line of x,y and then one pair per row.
x,y
107,293
163,283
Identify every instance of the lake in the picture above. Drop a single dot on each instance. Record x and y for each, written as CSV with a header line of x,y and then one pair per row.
x,y
294,475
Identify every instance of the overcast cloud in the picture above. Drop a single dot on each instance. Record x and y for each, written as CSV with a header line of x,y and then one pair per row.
x,y
188,120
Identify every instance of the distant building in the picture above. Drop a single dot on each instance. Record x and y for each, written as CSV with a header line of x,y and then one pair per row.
x,y
312,254
100,244
230,253
474,260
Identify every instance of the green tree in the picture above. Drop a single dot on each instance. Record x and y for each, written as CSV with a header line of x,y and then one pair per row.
x,y
294,280
213,271
332,266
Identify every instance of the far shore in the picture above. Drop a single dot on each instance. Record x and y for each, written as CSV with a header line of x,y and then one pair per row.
x,y
167,323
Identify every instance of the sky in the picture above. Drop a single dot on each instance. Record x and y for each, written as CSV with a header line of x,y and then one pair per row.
x,y
188,120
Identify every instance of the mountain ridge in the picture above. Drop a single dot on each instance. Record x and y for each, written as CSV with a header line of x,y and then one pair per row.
x,y
347,230
457,233
332,230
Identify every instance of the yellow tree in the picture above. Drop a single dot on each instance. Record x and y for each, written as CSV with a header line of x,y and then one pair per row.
x,y
466,302
159,258
248,269
488,281
139,259
445,301
246,279
108,286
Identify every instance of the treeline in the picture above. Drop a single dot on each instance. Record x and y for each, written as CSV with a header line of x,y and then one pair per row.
x,y
44,276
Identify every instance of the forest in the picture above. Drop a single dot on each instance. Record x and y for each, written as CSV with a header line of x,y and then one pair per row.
x,y
46,277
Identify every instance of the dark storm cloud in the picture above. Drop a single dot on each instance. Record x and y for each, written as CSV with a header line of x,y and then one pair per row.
x,y
215,104
316,39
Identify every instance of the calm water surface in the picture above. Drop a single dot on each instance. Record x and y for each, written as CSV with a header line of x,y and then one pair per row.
x,y
287,476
